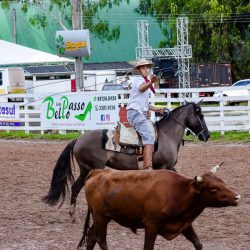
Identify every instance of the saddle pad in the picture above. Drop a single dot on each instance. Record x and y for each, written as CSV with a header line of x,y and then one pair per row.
x,y
111,145
128,136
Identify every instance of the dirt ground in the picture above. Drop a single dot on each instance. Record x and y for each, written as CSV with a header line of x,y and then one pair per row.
x,y
28,224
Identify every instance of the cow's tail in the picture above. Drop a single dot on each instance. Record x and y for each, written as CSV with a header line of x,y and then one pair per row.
x,y
85,231
61,175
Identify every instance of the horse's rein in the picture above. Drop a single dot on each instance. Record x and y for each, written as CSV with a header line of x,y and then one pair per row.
x,y
177,120
202,128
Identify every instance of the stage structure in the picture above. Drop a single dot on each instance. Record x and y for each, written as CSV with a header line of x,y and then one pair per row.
x,y
182,52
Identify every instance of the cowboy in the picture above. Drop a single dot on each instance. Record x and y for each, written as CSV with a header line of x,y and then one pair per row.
x,y
138,108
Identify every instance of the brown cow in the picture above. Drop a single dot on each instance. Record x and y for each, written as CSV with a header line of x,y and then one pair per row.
x,y
162,201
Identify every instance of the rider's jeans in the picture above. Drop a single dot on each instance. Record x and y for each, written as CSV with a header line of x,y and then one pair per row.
x,y
142,125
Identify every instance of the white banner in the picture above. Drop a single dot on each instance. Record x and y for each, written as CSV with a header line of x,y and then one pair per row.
x,y
9,114
85,111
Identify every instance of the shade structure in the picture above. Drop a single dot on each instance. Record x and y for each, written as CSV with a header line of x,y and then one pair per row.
x,y
14,54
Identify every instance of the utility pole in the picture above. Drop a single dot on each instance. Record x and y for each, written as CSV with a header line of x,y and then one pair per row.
x,y
13,12
77,25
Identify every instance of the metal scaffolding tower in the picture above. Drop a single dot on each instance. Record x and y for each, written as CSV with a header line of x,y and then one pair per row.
x,y
143,39
182,51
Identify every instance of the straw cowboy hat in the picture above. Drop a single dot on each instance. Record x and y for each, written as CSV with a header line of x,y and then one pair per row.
x,y
142,62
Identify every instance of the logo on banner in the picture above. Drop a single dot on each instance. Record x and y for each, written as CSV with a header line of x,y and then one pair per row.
x,y
108,117
103,118
64,108
88,110
9,115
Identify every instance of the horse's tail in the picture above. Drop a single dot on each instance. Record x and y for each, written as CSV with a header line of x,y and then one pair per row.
x,y
85,230
61,175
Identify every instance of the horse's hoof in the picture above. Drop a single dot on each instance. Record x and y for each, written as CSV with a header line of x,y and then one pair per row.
x,y
75,220
72,214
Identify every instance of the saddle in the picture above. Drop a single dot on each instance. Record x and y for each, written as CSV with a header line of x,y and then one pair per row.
x,y
125,139
127,136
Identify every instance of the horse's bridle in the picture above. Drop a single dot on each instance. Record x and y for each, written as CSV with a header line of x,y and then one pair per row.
x,y
201,133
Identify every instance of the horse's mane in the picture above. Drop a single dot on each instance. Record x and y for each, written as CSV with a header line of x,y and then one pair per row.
x,y
169,113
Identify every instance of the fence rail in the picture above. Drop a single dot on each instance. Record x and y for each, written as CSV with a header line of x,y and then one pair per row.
x,y
217,116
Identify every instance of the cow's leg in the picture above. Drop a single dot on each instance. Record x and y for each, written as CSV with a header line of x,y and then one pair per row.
x,y
75,190
150,237
191,235
101,232
91,239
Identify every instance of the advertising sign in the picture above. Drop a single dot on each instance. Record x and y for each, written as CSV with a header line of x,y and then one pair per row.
x,y
73,43
83,111
9,115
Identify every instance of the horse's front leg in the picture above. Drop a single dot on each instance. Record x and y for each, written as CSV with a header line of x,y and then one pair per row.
x,y
75,190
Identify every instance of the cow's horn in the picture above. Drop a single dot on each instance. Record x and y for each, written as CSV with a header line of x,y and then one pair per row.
x,y
215,168
199,179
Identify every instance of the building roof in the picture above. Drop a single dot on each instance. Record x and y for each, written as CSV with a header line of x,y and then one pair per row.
x,y
66,68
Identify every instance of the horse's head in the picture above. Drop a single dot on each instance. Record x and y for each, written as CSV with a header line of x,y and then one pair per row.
x,y
196,122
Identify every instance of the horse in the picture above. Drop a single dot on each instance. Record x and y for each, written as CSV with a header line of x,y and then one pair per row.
x,y
89,152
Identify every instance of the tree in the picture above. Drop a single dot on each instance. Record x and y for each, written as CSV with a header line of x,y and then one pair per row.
x,y
219,30
61,12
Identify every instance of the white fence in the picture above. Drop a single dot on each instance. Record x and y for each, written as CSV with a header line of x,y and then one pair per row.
x,y
218,116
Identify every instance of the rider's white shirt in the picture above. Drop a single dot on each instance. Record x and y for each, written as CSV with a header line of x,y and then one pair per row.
x,y
138,100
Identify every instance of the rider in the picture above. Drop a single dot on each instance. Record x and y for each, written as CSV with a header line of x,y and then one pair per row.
x,y
138,107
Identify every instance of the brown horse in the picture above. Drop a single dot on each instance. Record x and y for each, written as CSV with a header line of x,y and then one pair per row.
x,y
89,152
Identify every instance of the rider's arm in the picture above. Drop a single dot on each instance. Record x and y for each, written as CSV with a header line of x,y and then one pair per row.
x,y
144,86
155,109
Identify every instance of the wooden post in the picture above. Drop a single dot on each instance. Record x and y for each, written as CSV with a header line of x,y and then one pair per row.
x,y
77,25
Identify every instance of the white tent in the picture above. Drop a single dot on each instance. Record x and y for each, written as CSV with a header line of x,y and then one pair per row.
x,y
14,54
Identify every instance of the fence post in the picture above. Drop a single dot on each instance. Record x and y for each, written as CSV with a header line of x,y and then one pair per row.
x,y
26,114
221,114
248,102
169,102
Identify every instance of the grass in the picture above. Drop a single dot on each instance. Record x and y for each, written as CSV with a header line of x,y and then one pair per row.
x,y
229,137
49,136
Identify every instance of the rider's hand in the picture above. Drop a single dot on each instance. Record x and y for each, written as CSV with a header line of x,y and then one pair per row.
x,y
153,78
160,110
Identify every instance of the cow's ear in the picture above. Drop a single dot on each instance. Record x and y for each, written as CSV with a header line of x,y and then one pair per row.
x,y
196,183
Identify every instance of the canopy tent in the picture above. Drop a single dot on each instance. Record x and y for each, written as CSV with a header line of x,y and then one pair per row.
x,y
14,54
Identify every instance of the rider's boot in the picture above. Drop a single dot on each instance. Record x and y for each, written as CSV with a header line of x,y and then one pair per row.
x,y
147,156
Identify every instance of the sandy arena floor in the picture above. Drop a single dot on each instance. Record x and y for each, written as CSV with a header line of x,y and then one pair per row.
x,y
28,224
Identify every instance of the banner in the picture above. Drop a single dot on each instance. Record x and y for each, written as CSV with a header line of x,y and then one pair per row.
x,y
9,114
85,111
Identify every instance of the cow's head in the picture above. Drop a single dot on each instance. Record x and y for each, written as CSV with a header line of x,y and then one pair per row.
x,y
213,192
